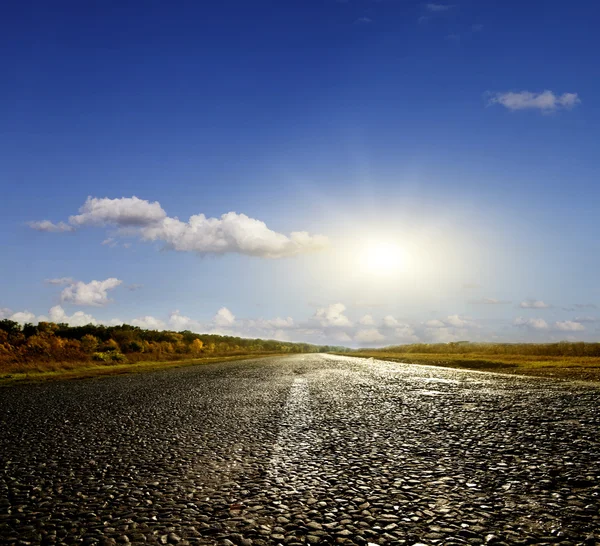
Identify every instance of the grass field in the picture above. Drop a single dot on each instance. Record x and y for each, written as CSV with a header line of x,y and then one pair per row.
x,y
586,368
74,370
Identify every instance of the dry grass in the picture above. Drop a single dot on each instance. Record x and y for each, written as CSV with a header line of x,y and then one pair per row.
x,y
564,367
51,371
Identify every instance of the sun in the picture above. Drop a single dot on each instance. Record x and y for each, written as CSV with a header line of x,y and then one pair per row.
x,y
384,258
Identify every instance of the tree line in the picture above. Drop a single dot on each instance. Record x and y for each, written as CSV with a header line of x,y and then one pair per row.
x,y
561,348
51,342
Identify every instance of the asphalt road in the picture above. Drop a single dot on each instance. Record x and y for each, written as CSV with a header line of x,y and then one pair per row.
x,y
305,449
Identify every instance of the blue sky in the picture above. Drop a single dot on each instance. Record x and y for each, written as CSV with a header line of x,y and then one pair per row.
x,y
460,137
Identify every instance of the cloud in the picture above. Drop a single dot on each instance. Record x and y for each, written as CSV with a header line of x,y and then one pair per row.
x,y
363,21
442,335
367,320
438,8
546,101
124,211
435,323
458,322
56,314
534,304
488,301
22,317
79,318
150,323
585,306
586,319
224,317
541,324
389,322
179,322
110,241
93,293
276,323
60,281
533,323
332,316
405,333
569,326
231,233
478,27
371,335
46,225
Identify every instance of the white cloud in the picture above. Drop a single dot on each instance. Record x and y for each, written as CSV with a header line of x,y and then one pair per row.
x,y
363,21
79,318
5,312
546,101
370,335
437,8
434,323
124,211
60,281
269,324
22,317
541,324
534,304
332,316
533,323
149,322
458,322
224,317
56,314
179,322
46,225
367,320
389,322
92,293
405,334
231,233
569,326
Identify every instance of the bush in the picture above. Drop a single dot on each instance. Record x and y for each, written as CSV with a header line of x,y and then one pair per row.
x,y
110,356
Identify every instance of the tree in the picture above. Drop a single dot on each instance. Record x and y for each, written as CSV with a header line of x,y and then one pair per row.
x,y
197,346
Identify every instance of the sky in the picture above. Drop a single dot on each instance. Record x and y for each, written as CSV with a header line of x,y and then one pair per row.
x,y
358,173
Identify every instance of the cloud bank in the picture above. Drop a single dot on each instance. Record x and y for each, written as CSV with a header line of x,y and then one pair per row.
x,y
231,233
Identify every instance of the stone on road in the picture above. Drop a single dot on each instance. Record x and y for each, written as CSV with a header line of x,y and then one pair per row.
x,y
304,449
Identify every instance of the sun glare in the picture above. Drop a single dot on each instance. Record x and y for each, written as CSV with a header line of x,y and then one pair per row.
x,y
384,258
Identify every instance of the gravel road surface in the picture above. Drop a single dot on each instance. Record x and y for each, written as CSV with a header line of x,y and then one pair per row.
x,y
304,449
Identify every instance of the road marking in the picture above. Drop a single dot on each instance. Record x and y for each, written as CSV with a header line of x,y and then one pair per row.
x,y
289,447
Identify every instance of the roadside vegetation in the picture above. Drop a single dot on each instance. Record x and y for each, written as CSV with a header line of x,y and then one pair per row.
x,y
49,350
564,359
